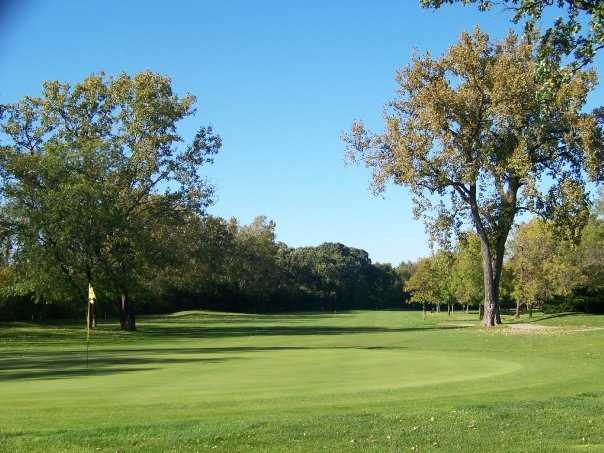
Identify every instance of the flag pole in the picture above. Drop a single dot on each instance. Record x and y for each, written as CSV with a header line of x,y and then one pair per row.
x,y
87,328
89,301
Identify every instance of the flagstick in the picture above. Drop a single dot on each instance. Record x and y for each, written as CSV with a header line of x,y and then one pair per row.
x,y
87,329
89,301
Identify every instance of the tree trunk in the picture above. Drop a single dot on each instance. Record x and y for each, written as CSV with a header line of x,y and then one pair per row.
x,y
517,315
490,295
530,307
491,270
492,260
424,311
480,311
127,319
452,308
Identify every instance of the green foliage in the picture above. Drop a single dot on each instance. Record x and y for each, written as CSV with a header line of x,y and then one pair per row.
x,y
431,282
558,272
92,175
568,34
466,272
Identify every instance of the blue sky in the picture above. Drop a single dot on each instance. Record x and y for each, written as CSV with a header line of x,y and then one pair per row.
x,y
278,80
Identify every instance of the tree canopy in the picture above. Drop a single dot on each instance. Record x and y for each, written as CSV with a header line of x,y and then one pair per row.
x,y
91,170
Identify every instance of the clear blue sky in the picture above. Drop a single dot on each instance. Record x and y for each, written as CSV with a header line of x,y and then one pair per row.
x,y
278,80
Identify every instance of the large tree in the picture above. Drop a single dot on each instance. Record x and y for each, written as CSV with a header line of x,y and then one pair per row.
x,y
105,149
470,137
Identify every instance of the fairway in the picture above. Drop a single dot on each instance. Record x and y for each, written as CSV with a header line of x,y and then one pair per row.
x,y
382,381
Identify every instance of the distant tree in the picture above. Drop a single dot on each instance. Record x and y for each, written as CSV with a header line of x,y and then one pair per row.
x,y
385,286
442,263
466,272
566,36
470,137
404,270
542,265
253,267
591,248
424,285
206,252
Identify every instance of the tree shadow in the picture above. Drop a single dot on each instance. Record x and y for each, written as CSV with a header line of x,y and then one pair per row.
x,y
166,331
209,319
53,366
177,332
34,359
552,316
50,365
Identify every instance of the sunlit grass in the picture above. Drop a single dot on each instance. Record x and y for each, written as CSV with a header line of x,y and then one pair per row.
x,y
379,381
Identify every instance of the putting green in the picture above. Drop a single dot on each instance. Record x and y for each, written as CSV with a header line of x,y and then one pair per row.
x,y
283,372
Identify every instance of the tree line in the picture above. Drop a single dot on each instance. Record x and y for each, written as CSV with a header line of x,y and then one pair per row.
x,y
99,189
214,264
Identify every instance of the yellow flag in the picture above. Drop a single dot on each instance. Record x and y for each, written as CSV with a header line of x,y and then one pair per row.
x,y
91,295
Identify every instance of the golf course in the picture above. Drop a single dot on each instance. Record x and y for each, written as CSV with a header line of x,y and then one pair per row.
x,y
351,381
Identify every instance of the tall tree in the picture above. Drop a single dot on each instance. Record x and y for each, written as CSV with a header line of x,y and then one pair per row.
x,y
121,137
469,136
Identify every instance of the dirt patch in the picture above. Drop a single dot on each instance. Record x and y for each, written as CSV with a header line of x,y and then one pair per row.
x,y
531,328
457,324
537,329
585,329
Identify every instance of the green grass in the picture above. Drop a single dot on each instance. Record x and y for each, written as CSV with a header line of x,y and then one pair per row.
x,y
361,381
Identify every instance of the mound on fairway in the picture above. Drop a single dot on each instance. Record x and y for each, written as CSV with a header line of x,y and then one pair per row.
x,y
383,381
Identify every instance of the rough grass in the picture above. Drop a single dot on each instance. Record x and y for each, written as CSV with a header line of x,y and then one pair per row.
x,y
361,381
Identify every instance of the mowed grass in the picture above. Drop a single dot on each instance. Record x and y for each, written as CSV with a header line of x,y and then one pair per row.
x,y
357,381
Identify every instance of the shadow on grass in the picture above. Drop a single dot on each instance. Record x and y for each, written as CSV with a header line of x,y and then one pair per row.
x,y
50,365
34,359
248,317
74,365
185,317
178,332
556,315
164,331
